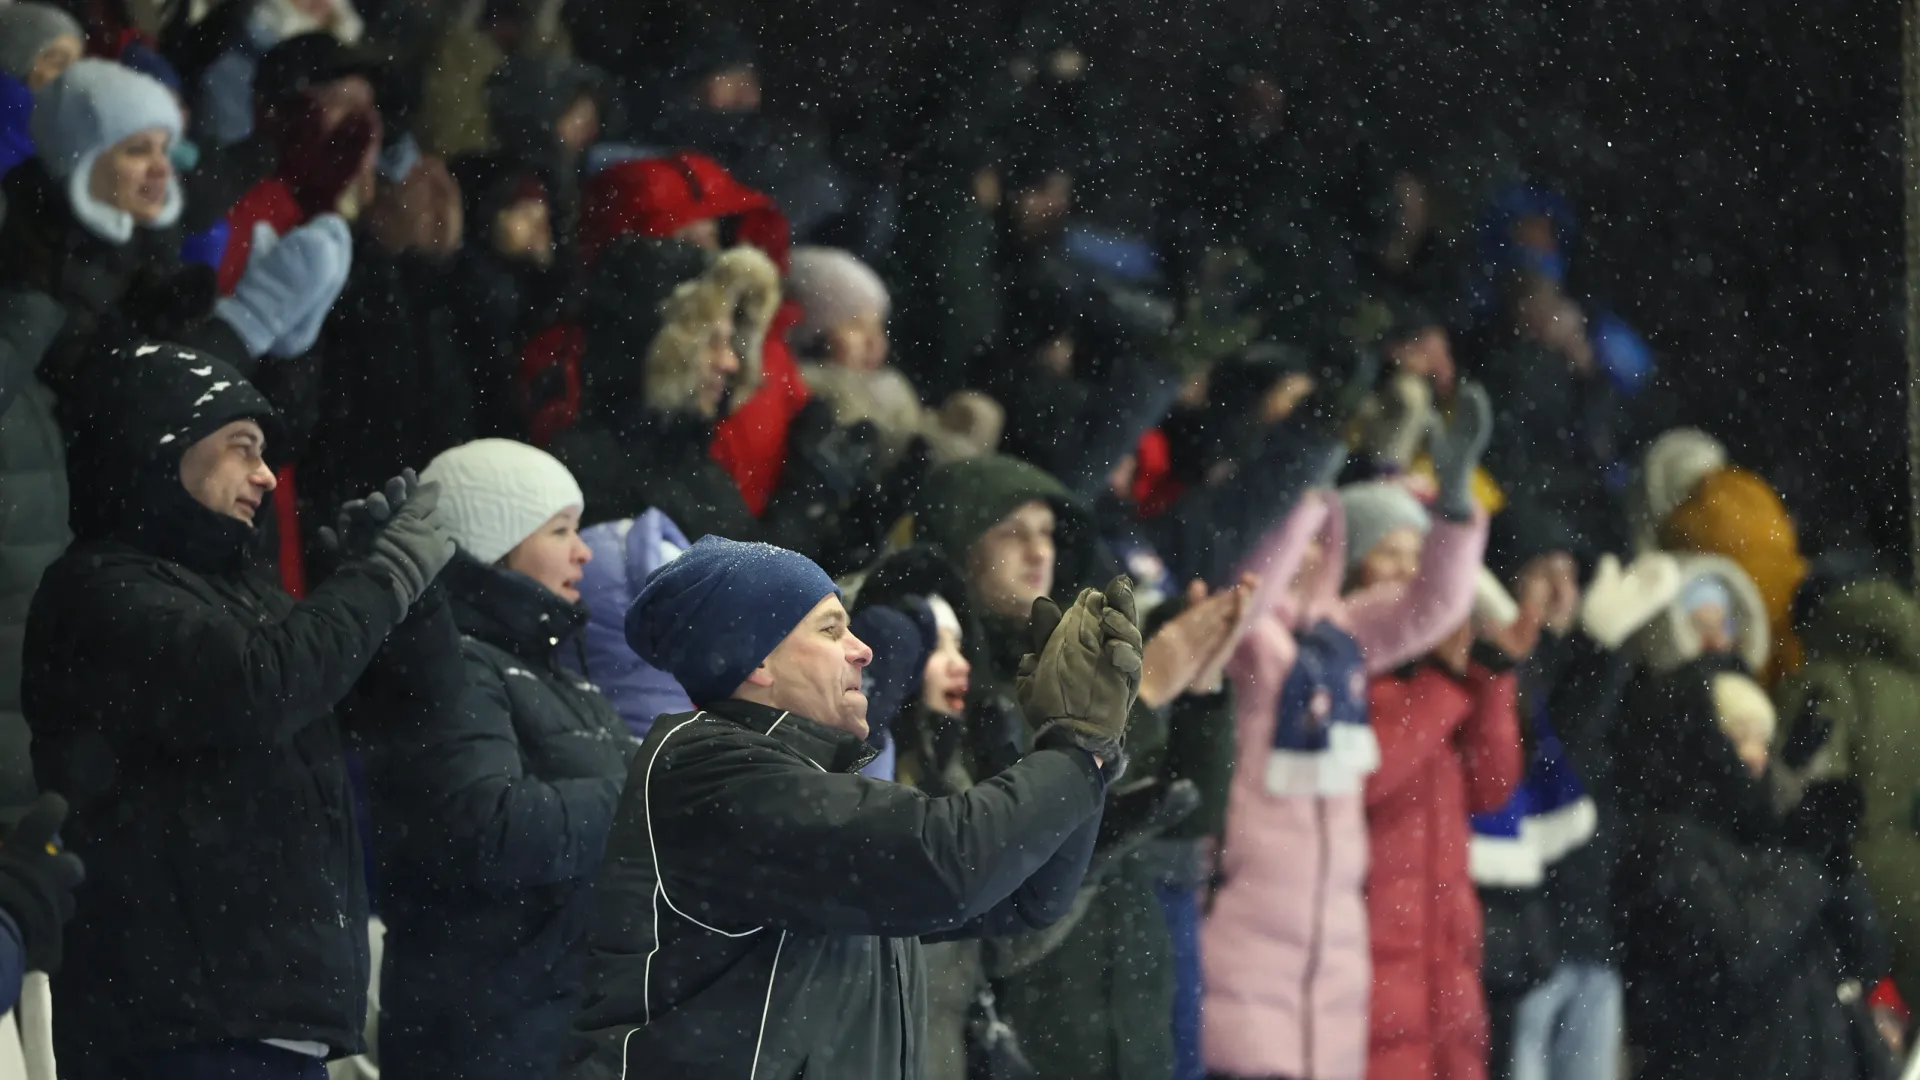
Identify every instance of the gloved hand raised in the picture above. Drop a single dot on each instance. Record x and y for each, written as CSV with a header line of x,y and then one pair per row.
x,y
1455,447
1618,603
1084,672
400,530
37,881
290,284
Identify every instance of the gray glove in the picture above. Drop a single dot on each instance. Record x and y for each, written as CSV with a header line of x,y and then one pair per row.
x,y
401,531
1455,447
1084,672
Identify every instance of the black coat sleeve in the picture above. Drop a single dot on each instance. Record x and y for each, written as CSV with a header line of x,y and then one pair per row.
x,y
1041,900
205,674
745,835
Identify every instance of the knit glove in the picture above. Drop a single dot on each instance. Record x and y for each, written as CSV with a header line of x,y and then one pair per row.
x,y
1618,603
37,880
1084,673
399,530
290,283
1455,447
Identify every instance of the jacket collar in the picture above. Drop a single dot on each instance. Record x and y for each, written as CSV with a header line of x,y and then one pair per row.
x,y
830,748
510,610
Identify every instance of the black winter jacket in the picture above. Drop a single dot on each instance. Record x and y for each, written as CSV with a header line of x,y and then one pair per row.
x,y
491,822
185,705
780,939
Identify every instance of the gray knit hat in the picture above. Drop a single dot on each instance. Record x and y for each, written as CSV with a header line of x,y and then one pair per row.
x,y
1375,509
26,30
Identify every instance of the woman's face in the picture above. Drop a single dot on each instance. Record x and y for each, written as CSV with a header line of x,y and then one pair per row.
x,y
1395,558
554,555
135,175
944,682
859,343
720,365
524,232
57,57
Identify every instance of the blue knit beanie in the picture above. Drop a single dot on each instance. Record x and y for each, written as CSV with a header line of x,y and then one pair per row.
x,y
709,617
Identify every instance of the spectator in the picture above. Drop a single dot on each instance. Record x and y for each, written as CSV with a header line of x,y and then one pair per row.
x,y
1738,941
505,286
547,110
1305,749
168,680
225,101
37,43
759,639
625,554
494,819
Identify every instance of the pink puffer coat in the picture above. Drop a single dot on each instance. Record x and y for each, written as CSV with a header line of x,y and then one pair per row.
x,y
1284,947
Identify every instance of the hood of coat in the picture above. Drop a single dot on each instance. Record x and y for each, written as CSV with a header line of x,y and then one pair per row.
x,y
659,196
742,283
510,611
1672,641
1873,618
1673,466
528,94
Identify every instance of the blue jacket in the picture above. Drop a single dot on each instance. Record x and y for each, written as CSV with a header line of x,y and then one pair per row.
x,y
624,553
16,109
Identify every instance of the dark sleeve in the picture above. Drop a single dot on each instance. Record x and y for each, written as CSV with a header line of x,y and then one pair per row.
x,y
1587,697
1745,922
1042,899
1866,951
1208,532
13,962
221,679
1200,748
748,836
500,828
1135,395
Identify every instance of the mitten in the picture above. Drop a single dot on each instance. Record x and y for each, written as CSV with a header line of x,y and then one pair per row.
x,y
1455,448
1618,603
284,295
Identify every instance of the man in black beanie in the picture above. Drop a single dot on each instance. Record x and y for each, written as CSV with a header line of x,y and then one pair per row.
x,y
761,905
185,705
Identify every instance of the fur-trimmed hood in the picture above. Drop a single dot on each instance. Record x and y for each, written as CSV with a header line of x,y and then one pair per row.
x,y
1671,642
742,282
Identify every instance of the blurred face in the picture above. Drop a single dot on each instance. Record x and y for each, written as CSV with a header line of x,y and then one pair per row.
x,y
1753,751
943,683
1284,396
703,234
1012,563
859,343
1428,355
731,90
1710,623
226,473
720,365
554,555
134,175
1396,558
579,126
1039,209
524,232
815,671
59,55
1551,583
422,213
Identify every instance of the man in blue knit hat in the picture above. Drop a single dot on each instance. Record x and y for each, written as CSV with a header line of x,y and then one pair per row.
x,y
761,904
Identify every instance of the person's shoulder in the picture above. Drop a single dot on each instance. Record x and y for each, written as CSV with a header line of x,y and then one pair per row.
x,y
706,743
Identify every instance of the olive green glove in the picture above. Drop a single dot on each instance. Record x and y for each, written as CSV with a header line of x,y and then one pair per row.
x,y
1084,672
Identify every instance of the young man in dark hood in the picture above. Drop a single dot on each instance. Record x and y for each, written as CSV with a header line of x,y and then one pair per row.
x,y
186,705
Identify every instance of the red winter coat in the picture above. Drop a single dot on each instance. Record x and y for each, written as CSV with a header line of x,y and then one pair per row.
x,y
1449,746
658,197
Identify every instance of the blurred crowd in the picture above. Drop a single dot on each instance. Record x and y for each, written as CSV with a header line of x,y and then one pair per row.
x,y
1493,720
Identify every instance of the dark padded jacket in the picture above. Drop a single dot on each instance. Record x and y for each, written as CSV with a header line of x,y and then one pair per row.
x,y
761,902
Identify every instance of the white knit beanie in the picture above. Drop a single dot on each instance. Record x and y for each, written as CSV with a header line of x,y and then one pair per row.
x,y
497,492
1674,466
1373,510
833,287
83,113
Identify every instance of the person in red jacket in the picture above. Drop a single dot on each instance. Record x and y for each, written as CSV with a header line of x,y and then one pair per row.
x,y
689,196
1449,746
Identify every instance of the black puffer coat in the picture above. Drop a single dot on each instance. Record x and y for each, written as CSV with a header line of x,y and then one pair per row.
x,y
186,706
760,902
491,825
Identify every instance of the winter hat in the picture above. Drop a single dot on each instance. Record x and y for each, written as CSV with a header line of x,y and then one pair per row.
x,y
1735,513
709,617
1673,467
961,501
79,116
833,287
659,196
170,397
25,32
1375,509
1523,532
900,646
150,63
497,492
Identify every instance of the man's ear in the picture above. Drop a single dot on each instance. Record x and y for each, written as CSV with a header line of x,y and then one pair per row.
x,y
760,677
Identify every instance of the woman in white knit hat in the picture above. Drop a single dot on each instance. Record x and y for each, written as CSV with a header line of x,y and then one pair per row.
x,y
490,823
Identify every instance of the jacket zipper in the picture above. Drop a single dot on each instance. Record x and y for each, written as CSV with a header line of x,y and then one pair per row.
x,y
1312,971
